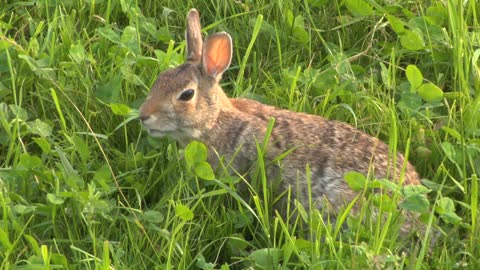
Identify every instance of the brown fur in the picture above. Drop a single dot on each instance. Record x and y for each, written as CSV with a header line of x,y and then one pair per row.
x,y
225,125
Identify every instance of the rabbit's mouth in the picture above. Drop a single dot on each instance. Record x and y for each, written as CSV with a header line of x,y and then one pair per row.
x,y
191,133
156,129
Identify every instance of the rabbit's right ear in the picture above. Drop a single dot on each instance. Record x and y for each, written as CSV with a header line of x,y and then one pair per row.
x,y
193,36
217,54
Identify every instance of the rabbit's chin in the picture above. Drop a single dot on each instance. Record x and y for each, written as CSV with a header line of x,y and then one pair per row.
x,y
158,133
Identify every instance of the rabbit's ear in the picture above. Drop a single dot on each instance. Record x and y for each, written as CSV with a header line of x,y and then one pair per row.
x,y
193,36
217,54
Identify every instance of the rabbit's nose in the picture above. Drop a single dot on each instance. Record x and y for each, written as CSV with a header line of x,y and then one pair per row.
x,y
144,117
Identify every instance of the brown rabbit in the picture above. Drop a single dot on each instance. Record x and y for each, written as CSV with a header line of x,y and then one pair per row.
x,y
187,103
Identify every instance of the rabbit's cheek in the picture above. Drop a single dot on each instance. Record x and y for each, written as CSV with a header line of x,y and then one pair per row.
x,y
192,133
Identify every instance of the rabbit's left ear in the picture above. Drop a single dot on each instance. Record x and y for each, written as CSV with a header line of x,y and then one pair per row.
x,y
217,54
193,36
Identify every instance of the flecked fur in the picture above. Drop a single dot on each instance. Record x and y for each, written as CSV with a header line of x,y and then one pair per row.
x,y
225,125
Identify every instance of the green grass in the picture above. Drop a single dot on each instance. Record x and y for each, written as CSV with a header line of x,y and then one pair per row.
x,y
83,187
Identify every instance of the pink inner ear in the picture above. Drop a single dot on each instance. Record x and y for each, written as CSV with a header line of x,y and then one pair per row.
x,y
217,54
210,66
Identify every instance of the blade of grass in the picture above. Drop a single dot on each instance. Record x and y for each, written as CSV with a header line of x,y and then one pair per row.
x,y
243,64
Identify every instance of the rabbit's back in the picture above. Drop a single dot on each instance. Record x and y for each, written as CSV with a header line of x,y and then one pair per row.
x,y
330,148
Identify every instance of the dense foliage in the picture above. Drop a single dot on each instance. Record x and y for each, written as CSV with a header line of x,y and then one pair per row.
x,y
84,187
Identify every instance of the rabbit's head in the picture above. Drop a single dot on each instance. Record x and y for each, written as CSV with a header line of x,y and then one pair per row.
x,y
185,101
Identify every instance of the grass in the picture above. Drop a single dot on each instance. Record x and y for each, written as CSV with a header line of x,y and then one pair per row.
x,y
83,187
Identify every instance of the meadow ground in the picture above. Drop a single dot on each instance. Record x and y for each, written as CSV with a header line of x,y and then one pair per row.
x,y
84,187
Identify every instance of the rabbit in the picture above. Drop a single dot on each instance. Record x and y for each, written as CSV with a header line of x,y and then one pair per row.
x,y
187,103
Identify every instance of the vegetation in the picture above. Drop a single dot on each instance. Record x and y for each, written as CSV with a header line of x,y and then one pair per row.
x,y
84,187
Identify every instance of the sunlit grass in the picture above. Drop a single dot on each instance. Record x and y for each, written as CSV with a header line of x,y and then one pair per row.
x,y
83,187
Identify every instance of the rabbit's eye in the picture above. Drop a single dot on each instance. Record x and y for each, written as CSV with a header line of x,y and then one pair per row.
x,y
186,95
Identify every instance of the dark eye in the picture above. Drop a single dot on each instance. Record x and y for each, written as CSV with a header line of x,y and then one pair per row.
x,y
187,95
